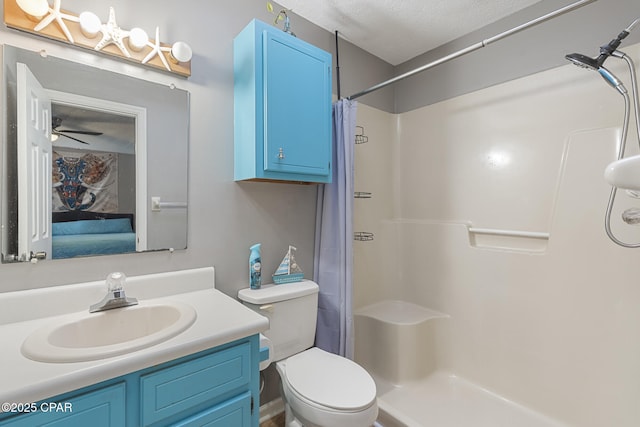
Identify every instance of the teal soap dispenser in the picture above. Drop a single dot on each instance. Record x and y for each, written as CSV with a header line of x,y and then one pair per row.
x,y
255,267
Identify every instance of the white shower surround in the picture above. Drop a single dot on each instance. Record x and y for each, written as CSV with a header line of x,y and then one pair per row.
x,y
556,330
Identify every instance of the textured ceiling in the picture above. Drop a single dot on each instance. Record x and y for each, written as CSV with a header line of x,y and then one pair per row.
x,y
398,30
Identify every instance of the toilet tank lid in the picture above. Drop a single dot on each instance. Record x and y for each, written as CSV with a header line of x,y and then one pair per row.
x,y
275,293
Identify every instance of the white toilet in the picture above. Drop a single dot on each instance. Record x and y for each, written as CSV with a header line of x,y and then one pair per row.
x,y
320,389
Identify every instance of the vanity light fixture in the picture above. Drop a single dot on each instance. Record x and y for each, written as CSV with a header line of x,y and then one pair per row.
x,y
157,49
90,24
138,39
112,34
180,52
55,14
35,9
83,31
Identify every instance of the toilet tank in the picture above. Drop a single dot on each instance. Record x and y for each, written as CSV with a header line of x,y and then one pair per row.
x,y
292,312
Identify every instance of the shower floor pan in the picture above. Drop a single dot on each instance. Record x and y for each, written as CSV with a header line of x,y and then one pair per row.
x,y
445,400
396,342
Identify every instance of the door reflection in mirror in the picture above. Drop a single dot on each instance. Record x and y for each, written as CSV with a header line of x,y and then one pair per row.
x,y
34,167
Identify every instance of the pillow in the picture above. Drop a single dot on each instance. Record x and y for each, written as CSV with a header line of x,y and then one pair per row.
x,y
92,226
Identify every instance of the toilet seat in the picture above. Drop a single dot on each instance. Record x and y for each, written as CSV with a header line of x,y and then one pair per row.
x,y
329,381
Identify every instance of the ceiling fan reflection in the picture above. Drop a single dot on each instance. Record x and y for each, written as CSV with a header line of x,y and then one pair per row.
x,y
56,122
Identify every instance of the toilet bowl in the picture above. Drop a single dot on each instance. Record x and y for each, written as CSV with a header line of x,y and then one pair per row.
x,y
323,389
320,389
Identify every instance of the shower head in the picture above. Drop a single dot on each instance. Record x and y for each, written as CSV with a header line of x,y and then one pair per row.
x,y
583,61
589,63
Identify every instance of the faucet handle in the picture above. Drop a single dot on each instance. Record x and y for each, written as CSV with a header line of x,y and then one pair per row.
x,y
115,297
115,281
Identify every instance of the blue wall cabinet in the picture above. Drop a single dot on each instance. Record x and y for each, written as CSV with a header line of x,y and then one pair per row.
x,y
282,107
216,387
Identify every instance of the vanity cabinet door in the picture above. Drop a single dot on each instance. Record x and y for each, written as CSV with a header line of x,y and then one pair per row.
x,y
297,105
101,408
282,107
235,412
195,385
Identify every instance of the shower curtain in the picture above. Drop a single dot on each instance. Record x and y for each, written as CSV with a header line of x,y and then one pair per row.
x,y
333,262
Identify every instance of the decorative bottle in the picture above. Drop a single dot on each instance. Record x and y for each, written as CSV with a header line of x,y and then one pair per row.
x,y
255,267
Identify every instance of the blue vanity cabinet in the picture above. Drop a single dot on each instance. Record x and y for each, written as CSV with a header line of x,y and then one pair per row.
x,y
104,407
216,387
282,107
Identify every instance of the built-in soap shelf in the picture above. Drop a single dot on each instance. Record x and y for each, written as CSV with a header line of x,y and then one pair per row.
x,y
514,240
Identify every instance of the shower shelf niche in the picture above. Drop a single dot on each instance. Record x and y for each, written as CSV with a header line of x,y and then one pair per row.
x,y
513,240
362,195
361,138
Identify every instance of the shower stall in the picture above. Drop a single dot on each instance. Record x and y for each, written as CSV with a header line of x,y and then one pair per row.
x,y
488,292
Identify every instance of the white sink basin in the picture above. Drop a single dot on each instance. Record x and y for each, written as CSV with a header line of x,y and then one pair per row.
x,y
90,336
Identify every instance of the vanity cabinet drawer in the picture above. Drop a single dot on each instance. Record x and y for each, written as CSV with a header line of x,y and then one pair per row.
x,y
195,385
101,408
235,412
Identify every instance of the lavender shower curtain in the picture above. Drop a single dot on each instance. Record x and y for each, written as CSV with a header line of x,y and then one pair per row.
x,y
333,262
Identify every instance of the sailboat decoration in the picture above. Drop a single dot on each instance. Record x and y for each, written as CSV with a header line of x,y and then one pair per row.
x,y
288,271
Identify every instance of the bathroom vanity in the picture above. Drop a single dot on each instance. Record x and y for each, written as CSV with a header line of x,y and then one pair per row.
x,y
207,373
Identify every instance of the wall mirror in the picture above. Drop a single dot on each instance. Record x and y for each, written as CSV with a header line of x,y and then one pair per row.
x,y
92,162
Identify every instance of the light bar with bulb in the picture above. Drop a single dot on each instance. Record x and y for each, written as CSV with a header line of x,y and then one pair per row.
x,y
87,30
35,9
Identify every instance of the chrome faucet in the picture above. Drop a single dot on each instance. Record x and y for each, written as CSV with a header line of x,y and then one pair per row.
x,y
115,297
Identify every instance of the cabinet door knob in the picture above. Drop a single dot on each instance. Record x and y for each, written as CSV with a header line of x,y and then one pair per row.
x,y
280,154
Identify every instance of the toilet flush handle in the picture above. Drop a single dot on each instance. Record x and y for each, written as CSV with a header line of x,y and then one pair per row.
x,y
267,307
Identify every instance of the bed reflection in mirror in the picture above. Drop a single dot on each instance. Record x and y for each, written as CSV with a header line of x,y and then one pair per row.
x,y
84,152
93,179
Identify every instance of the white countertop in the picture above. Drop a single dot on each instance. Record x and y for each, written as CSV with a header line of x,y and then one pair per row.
x,y
220,320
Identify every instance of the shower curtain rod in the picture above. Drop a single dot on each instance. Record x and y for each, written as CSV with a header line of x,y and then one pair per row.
x,y
475,46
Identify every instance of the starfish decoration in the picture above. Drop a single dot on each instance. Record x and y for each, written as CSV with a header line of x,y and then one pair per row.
x,y
55,14
157,49
112,34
